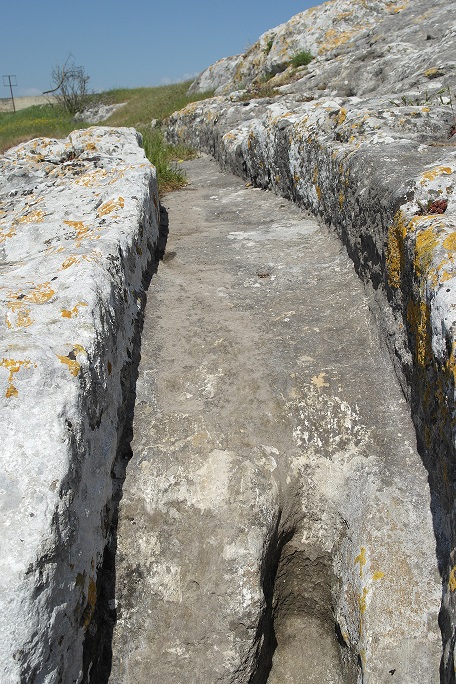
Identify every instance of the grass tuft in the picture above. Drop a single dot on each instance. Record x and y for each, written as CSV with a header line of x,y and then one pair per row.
x,y
301,59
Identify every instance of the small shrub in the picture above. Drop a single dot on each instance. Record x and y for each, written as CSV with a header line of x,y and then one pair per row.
x,y
301,59
269,45
70,83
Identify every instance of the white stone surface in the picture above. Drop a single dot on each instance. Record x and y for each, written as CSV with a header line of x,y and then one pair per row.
x,y
78,219
217,75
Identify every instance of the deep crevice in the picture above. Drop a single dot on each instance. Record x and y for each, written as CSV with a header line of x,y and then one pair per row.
x,y
97,649
266,637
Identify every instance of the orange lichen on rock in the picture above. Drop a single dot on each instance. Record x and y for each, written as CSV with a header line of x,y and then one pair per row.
x,y
71,361
68,313
8,233
362,560
434,173
418,316
35,216
395,250
450,242
110,206
334,39
40,294
91,603
426,242
13,366
452,579
20,315
92,178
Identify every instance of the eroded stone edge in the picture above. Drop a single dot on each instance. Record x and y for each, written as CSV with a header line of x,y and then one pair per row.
x,y
79,221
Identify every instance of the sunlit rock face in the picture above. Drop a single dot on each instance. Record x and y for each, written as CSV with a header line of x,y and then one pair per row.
x,y
78,222
359,48
364,137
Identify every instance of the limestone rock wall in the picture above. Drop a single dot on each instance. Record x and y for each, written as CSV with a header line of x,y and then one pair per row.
x,y
365,138
359,48
78,222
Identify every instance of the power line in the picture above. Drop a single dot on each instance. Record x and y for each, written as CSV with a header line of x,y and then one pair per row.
x,y
10,80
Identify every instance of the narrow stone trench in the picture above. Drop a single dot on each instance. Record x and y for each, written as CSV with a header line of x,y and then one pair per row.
x,y
275,507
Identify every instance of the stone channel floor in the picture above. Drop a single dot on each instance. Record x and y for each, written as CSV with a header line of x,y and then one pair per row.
x,y
268,422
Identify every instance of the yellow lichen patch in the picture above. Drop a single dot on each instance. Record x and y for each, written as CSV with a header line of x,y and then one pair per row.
x,y
395,9
362,600
5,234
72,364
395,250
91,603
450,242
378,575
341,116
341,199
334,39
344,15
13,366
426,242
362,560
69,261
110,206
452,579
18,315
418,316
434,173
70,359
92,178
77,258
432,72
40,294
81,230
68,313
35,216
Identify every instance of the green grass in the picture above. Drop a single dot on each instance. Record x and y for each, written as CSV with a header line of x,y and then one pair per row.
x,y
143,105
49,121
301,59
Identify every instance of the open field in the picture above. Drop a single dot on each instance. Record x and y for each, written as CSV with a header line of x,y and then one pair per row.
x,y
24,102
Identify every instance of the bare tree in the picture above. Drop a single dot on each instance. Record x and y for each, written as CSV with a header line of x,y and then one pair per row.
x,y
70,85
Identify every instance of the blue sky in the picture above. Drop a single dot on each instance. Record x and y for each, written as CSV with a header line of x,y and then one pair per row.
x,y
129,43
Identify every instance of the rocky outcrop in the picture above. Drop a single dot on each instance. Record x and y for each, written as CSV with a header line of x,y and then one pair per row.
x,y
365,138
78,222
216,76
360,48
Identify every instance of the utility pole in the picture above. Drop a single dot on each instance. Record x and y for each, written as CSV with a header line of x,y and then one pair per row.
x,y
10,80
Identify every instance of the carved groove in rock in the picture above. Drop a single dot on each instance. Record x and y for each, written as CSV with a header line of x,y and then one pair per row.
x,y
267,524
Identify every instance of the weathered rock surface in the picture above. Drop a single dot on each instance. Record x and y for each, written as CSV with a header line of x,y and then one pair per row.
x,y
217,75
365,138
275,493
78,220
360,48
98,113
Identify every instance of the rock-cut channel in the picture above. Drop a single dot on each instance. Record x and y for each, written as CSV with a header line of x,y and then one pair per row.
x,y
275,519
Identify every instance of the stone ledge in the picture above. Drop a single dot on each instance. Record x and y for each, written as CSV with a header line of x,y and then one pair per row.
x,y
78,223
374,170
